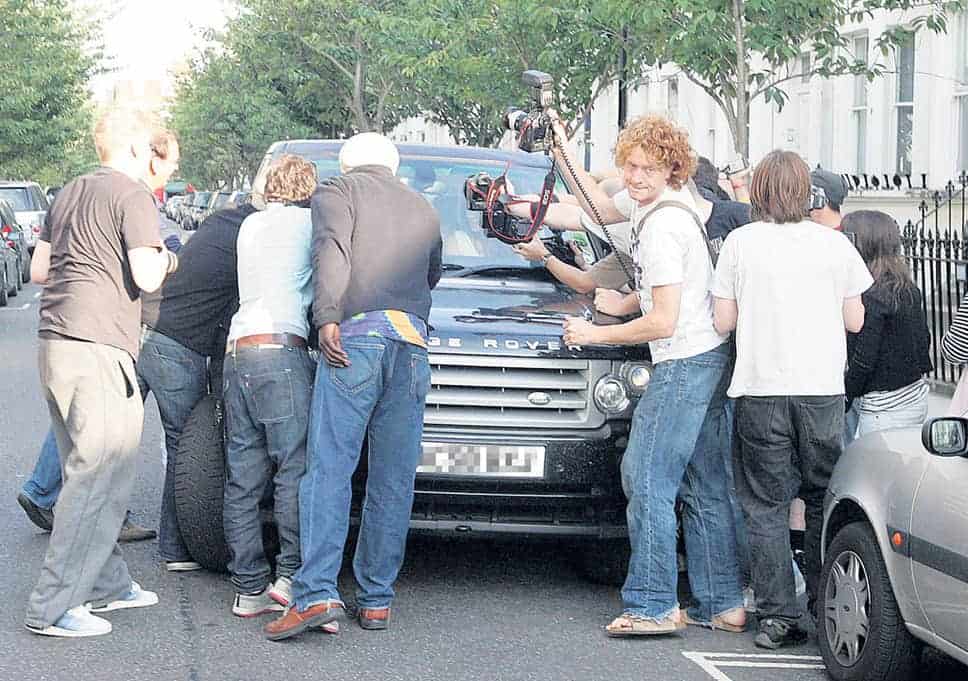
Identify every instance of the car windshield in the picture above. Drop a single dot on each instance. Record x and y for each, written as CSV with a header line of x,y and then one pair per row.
x,y
441,181
16,197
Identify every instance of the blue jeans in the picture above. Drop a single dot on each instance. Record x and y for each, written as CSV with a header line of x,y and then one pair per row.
x,y
380,395
267,393
178,376
669,452
44,484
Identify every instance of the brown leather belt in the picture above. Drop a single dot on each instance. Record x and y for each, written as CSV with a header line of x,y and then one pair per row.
x,y
286,340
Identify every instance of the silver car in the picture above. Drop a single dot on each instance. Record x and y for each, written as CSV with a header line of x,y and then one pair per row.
x,y
30,205
895,558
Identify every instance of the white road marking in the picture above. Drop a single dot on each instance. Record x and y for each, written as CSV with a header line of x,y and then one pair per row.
x,y
712,663
15,309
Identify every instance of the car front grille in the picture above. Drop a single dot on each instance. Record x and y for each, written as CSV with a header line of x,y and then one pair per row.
x,y
513,392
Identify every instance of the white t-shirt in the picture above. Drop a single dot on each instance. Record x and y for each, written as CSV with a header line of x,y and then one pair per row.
x,y
670,249
789,282
275,272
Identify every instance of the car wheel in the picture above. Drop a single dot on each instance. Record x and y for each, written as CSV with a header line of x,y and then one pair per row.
x,y
606,561
861,632
3,288
199,480
25,274
199,472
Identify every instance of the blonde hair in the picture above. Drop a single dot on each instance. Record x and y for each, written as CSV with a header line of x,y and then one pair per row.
x,y
290,179
663,142
162,141
119,129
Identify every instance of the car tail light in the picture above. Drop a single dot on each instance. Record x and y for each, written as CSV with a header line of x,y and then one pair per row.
x,y
11,244
6,229
35,228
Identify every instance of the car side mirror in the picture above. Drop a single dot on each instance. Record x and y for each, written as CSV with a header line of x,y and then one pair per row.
x,y
947,436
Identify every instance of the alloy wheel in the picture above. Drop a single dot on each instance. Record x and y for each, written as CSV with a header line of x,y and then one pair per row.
x,y
847,608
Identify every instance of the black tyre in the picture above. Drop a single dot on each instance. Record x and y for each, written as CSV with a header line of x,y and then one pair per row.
x,y
199,483
606,561
25,273
861,632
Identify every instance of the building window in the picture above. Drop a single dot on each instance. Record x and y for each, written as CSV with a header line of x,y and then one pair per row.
x,y
805,68
904,105
674,98
860,108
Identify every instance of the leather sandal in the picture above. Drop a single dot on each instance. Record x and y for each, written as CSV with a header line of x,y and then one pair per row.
x,y
628,624
718,622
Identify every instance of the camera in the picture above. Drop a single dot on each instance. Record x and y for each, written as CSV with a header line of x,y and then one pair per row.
x,y
735,166
496,221
818,198
534,126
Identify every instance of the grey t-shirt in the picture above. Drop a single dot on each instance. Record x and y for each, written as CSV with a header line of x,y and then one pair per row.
x,y
90,293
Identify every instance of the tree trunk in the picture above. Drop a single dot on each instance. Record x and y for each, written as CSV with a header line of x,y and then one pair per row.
x,y
740,127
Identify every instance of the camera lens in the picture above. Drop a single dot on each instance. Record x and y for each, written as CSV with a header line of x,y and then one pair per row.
x,y
514,118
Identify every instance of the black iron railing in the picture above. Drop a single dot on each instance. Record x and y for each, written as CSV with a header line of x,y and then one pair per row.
x,y
936,247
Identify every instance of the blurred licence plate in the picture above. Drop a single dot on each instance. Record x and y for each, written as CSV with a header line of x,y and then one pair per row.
x,y
507,461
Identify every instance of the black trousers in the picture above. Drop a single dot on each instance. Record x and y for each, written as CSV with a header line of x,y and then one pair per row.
x,y
786,447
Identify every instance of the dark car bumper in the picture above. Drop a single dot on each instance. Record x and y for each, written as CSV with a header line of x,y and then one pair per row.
x,y
579,495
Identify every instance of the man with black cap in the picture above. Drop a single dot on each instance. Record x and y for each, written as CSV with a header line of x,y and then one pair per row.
x,y
835,192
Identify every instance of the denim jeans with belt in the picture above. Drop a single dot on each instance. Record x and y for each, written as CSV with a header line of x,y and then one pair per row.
x,y
178,377
671,449
381,395
267,392
786,447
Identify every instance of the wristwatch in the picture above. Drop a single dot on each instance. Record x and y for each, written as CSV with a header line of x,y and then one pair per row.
x,y
545,258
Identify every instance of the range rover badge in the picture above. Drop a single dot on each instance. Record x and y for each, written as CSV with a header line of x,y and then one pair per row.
x,y
539,399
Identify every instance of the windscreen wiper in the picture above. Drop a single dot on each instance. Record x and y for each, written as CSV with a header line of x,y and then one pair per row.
x,y
491,269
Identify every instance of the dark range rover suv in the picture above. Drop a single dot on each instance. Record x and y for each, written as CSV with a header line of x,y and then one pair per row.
x,y
522,435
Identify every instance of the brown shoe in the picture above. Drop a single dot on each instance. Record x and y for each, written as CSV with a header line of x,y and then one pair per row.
x,y
374,618
294,622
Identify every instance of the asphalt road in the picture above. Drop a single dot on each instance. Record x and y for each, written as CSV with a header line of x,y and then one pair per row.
x,y
468,609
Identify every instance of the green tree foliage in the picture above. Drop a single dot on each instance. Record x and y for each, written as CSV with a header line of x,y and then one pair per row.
x,y
48,57
740,50
470,54
225,117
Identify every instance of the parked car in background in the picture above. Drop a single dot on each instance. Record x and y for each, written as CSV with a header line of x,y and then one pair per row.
x,y
238,198
30,206
10,283
218,201
895,557
173,207
191,215
15,237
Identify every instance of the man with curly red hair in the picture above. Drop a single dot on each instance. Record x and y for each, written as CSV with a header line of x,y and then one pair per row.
x,y
666,456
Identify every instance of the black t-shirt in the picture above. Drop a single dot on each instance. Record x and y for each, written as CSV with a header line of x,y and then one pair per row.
x,y
196,303
90,293
725,217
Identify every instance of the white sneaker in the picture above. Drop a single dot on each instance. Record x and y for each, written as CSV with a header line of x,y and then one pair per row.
x,y
77,622
135,598
254,605
281,591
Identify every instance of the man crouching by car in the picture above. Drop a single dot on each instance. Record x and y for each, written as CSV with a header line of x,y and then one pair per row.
x,y
268,379
376,253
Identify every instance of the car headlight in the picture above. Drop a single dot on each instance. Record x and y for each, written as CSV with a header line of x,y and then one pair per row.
x,y
636,376
611,395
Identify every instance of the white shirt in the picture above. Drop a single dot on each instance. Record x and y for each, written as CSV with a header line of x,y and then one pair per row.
x,y
275,272
789,282
669,249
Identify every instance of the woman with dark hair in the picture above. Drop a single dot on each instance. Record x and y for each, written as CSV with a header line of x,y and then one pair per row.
x,y
887,360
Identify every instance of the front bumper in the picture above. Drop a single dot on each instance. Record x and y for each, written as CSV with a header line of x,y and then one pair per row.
x,y
579,495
